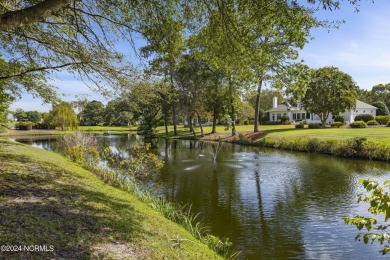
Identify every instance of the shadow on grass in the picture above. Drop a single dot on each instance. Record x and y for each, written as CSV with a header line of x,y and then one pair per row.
x,y
41,208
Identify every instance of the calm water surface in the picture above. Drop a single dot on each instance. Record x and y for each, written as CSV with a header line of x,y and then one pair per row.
x,y
271,204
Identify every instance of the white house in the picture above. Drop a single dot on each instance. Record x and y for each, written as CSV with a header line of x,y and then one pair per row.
x,y
297,114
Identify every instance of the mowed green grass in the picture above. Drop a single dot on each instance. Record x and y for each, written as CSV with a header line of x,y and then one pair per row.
x,y
375,134
47,200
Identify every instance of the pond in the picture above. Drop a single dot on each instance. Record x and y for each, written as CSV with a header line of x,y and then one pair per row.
x,y
271,204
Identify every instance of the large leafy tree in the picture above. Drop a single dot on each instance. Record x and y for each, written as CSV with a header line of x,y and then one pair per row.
x,y
63,115
93,113
329,91
382,110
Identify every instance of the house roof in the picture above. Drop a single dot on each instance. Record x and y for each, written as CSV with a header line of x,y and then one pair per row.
x,y
283,108
361,104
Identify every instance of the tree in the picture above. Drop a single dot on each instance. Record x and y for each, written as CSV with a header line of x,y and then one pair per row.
x,y
381,92
62,115
40,37
379,202
93,113
329,91
33,116
117,112
382,108
20,115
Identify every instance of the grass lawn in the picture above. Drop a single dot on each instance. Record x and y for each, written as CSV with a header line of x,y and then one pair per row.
x,y
47,200
375,134
104,129
184,132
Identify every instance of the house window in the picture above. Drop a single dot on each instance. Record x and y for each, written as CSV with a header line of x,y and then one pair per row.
x,y
273,117
294,116
307,115
298,116
284,114
372,111
278,116
357,111
364,111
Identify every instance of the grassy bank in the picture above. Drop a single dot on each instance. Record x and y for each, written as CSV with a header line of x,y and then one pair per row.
x,y
47,200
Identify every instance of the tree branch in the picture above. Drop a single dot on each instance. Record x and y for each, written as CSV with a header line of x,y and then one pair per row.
x,y
39,69
15,19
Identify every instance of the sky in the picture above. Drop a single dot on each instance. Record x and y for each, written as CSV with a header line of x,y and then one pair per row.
x,y
359,47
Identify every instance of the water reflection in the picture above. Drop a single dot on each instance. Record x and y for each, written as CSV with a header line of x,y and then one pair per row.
x,y
271,204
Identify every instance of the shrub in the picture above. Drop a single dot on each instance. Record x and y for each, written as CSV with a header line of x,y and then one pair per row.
x,y
246,122
299,126
272,123
283,119
388,124
358,124
80,148
303,122
244,139
339,119
315,126
23,125
336,124
372,122
382,119
364,117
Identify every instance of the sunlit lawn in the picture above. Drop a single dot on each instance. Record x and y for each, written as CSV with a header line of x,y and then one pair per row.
x,y
375,134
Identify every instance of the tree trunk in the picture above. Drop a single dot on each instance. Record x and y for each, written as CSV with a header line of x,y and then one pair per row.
x,y
200,125
174,120
166,122
257,108
190,125
232,108
214,130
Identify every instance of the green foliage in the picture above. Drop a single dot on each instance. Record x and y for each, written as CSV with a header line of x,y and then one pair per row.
x,y
382,119
372,122
382,110
62,115
329,91
93,113
339,118
244,140
379,202
299,126
364,117
315,126
24,125
388,124
141,163
350,148
283,119
336,124
358,124
81,148
33,116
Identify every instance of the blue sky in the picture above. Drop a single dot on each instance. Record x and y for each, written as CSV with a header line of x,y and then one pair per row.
x,y
360,47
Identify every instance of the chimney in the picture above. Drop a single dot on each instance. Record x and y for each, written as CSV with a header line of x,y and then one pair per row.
x,y
274,102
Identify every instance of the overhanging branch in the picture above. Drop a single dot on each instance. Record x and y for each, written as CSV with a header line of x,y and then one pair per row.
x,y
39,69
39,12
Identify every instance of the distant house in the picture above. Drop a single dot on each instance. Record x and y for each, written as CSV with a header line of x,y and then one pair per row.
x,y
298,113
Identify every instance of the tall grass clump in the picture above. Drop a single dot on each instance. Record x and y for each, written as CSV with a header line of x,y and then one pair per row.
x,y
124,174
